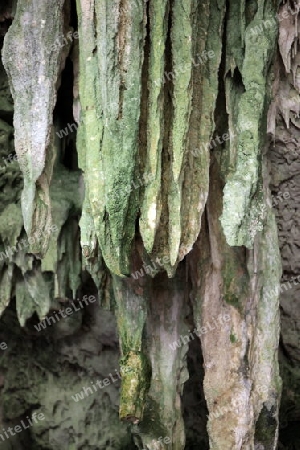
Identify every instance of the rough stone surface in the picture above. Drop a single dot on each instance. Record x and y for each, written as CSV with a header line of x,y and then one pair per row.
x,y
283,155
148,110
33,66
52,369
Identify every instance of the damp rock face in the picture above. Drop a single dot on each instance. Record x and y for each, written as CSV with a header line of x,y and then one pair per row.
x,y
159,205
33,80
74,384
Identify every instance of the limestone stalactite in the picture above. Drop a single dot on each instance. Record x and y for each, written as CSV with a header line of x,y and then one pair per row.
x,y
32,62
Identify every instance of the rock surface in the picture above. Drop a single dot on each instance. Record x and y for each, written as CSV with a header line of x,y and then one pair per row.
x,y
169,224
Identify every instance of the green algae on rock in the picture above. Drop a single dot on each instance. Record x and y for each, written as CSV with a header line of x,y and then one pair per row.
x,y
243,207
109,94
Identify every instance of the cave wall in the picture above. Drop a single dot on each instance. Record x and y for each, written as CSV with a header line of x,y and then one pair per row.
x,y
143,106
283,155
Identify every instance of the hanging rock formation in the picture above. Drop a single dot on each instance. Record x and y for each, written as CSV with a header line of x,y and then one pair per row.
x,y
176,233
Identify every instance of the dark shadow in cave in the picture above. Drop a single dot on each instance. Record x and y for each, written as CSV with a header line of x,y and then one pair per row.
x,y
195,411
63,111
